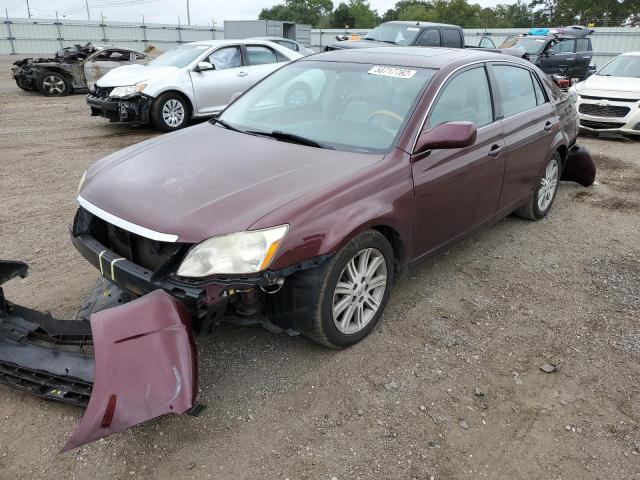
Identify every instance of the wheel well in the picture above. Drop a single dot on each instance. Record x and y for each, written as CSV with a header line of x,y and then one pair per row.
x,y
59,71
395,241
563,151
178,92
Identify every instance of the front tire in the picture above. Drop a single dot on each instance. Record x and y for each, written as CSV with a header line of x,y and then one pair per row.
x,y
53,84
353,292
541,201
170,112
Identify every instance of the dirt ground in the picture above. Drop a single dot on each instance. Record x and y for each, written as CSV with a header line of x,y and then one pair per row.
x,y
448,386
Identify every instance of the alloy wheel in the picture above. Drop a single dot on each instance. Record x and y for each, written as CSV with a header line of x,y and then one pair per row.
x,y
359,291
173,113
548,185
53,84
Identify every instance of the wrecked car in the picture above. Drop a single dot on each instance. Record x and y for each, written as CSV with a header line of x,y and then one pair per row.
x,y
193,80
565,52
72,69
301,218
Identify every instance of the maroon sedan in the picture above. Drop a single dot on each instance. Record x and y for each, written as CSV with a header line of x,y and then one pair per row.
x,y
304,213
297,213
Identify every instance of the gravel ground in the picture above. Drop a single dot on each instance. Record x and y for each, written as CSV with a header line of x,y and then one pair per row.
x,y
449,385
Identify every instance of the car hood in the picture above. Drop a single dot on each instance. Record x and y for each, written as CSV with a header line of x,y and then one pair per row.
x,y
132,74
623,87
206,180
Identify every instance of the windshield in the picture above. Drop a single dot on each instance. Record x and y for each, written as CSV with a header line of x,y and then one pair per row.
x,y
345,106
622,66
532,46
180,56
393,33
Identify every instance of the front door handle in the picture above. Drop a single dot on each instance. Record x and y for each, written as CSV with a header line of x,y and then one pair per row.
x,y
495,150
548,126
242,74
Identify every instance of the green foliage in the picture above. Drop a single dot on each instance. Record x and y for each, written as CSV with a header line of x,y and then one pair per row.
x,y
358,14
298,11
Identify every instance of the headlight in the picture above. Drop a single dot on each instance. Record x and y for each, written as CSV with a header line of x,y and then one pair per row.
x,y
82,179
236,253
121,92
573,95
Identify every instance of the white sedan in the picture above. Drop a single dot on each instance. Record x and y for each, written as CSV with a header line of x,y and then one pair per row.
x,y
193,80
609,100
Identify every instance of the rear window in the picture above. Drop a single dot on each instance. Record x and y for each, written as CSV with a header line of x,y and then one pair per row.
x,y
451,38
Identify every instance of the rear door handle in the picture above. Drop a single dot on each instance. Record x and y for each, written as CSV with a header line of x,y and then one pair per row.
x,y
242,74
548,126
495,150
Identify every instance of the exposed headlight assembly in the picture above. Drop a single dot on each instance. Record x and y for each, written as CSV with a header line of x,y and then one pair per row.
x,y
236,253
121,92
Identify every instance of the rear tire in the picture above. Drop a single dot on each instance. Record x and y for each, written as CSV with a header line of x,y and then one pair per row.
x,y
170,112
540,203
357,282
53,84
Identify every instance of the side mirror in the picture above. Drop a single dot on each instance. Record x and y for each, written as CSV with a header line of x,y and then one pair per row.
x,y
204,66
447,135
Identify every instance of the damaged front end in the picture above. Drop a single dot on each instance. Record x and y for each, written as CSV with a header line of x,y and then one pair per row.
x,y
68,61
126,363
131,109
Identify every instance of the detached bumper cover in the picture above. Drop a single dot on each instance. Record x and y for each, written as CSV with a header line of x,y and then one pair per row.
x,y
131,109
129,364
145,366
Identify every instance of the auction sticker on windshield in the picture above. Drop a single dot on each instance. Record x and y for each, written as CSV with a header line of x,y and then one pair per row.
x,y
392,72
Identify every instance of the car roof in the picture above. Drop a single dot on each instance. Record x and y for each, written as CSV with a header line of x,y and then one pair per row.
x,y
421,57
416,23
268,39
214,43
631,54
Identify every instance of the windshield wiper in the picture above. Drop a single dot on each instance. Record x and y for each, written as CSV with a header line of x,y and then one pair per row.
x,y
292,138
224,124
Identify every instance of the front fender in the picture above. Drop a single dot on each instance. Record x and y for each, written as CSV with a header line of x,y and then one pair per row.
x,y
323,221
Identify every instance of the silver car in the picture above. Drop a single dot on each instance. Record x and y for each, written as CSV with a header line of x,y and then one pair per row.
x,y
288,43
193,80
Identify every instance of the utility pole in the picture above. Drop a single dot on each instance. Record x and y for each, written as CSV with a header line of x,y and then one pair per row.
x,y
28,10
86,2
188,14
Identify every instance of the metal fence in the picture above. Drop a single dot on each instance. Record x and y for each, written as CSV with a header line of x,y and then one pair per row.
x,y
22,36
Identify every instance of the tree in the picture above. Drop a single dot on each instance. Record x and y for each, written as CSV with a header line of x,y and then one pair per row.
x,y
298,11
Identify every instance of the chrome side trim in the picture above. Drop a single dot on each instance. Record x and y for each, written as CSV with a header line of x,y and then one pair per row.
x,y
124,224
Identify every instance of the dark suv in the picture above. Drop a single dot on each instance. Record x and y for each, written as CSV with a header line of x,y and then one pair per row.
x,y
566,51
421,34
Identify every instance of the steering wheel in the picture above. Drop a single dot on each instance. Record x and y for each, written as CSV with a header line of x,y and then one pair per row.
x,y
386,113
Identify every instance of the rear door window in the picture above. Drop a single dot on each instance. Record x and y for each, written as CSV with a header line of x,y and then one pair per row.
x,y
466,97
430,38
563,46
541,97
451,38
261,55
517,92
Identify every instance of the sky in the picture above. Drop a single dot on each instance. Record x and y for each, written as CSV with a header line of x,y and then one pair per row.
x,y
163,11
